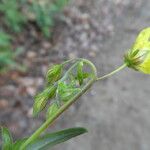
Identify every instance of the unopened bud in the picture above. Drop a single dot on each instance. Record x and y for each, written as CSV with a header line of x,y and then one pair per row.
x,y
54,73
52,110
42,98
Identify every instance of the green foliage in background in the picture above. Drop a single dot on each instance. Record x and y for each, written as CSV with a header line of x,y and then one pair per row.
x,y
17,13
12,15
6,53
44,13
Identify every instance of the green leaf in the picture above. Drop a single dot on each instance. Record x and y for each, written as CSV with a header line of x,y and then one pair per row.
x,y
49,140
6,139
18,143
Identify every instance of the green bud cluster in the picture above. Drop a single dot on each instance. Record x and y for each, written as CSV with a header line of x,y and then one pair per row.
x,y
61,86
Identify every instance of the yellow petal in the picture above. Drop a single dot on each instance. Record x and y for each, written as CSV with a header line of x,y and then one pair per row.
x,y
145,66
142,41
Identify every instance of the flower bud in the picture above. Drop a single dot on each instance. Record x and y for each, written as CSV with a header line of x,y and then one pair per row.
x,y
138,57
54,73
42,98
52,110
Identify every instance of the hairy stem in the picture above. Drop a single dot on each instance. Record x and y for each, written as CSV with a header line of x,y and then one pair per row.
x,y
111,73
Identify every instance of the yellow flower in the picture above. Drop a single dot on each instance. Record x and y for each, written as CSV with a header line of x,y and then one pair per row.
x,y
138,57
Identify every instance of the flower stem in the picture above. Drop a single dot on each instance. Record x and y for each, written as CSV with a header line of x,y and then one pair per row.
x,y
111,73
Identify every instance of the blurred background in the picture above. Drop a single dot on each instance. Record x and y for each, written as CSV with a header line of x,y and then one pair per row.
x,y
37,34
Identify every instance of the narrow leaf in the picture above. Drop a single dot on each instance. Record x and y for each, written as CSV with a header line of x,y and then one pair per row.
x,y
6,139
49,140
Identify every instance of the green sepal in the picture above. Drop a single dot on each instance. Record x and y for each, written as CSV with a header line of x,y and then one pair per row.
x,y
66,91
80,73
